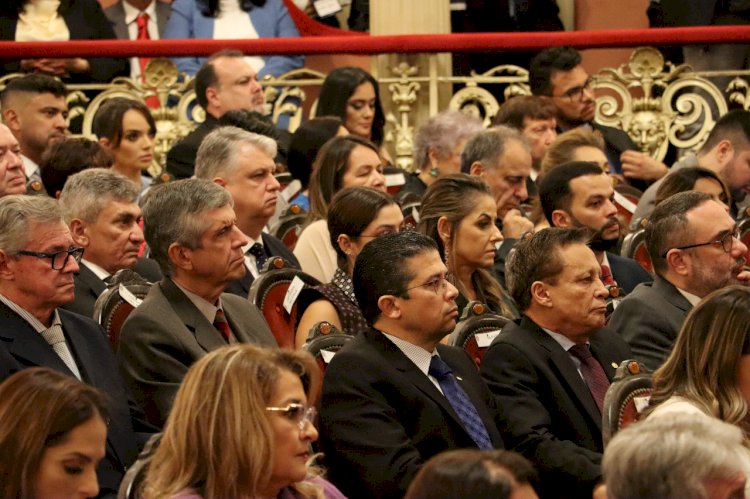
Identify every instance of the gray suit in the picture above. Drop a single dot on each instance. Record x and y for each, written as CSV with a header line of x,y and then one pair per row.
x,y
649,319
116,15
166,334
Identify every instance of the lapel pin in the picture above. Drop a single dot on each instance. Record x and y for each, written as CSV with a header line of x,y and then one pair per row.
x,y
459,378
614,364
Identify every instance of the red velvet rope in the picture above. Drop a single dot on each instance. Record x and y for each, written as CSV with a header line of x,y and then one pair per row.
x,y
358,44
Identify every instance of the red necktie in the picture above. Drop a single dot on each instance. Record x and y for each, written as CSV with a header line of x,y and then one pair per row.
x,y
142,22
220,322
593,373
607,278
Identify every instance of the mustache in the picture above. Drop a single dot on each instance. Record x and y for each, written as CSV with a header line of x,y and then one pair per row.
x,y
597,235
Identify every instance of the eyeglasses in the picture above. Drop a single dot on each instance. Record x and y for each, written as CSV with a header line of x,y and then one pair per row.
x,y
438,285
299,413
726,241
576,93
59,259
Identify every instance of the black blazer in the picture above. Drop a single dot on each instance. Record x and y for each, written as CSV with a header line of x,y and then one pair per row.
x,y
546,407
21,347
181,158
381,417
273,247
86,21
628,273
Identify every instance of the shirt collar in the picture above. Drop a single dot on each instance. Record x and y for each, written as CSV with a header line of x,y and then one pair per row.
x,y
251,241
693,299
28,317
418,355
131,13
29,166
97,270
208,310
565,342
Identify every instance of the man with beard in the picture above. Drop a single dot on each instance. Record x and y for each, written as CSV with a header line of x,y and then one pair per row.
x,y
579,194
694,247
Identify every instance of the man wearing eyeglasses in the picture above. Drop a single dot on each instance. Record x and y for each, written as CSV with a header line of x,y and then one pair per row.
x,y
557,73
38,258
394,396
694,247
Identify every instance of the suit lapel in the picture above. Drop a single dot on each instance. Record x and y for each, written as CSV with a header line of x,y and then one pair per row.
x,y
205,333
87,276
163,10
117,16
670,293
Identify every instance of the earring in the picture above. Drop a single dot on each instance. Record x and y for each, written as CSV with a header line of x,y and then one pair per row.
x,y
434,172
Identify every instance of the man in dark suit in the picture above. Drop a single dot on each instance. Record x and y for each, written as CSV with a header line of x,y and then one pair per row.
x,y
243,163
191,230
390,401
37,260
225,82
693,245
556,72
100,209
549,373
579,194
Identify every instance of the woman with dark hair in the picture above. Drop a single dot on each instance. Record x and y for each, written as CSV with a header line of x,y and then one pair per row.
x,y
356,216
232,20
127,130
306,142
458,212
342,162
53,434
694,179
67,157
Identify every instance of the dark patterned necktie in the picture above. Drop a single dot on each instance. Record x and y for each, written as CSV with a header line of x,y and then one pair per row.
x,y
593,373
220,323
260,255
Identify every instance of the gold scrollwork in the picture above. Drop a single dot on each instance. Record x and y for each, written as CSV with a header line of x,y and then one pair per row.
x,y
404,95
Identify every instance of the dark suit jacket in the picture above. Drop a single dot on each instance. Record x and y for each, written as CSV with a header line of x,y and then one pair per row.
x,y
546,407
85,21
181,158
21,347
272,247
649,319
628,273
381,417
166,334
88,286
116,15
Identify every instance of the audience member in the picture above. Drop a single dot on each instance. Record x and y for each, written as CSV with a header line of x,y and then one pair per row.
x,y
550,372
232,20
401,284
255,122
99,208
437,148
242,163
37,260
342,162
458,213
12,178
206,449
693,246
357,215
36,112
53,434
191,230
694,178
578,144
224,82
580,194
127,129
475,474
680,457
726,152
557,72
68,157
34,21
307,140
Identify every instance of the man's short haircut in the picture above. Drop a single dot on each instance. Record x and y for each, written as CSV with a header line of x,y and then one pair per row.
x,y
217,154
554,189
381,269
563,149
442,133
672,457
207,77
667,226
546,63
17,212
734,127
66,157
88,192
538,258
514,111
33,84
174,213
488,146
250,121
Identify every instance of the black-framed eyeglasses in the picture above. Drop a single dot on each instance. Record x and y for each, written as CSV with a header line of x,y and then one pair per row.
x,y
58,259
299,413
726,241
438,285
576,93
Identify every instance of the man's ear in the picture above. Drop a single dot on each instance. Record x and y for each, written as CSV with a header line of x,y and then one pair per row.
x,y
11,119
180,256
219,181
476,169
211,96
561,218
540,294
679,261
724,151
6,272
444,228
79,233
389,307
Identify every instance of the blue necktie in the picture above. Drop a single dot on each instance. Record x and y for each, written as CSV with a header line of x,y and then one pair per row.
x,y
460,402
260,255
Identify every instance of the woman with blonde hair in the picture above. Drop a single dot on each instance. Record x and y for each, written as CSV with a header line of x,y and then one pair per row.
x,y
458,212
241,426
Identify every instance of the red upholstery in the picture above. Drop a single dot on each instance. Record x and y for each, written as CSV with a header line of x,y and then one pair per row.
x,y
475,319
629,386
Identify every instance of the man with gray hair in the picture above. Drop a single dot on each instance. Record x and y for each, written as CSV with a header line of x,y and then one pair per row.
x,y
191,229
680,457
694,248
38,258
243,164
100,209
